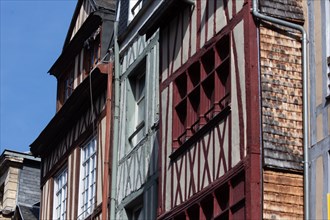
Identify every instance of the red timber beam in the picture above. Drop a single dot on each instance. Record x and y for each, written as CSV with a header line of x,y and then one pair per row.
x,y
253,162
216,200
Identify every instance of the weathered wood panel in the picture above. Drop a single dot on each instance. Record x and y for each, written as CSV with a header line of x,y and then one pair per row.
x,y
283,195
281,82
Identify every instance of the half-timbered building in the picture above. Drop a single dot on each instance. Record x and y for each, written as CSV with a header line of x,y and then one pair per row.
x,y
210,113
74,146
230,139
138,60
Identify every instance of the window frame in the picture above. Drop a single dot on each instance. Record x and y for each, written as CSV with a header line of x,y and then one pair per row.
x,y
68,84
139,114
135,208
87,190
60,202
134,8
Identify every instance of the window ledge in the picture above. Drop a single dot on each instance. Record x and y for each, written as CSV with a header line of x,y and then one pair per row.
x,y
137,130
203,130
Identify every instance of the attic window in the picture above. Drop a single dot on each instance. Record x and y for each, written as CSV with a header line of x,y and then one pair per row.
x,y
134,8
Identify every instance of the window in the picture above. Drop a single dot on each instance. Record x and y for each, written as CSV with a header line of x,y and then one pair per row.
x,y
136,105
68,85
60,195
201,91
91,52
87,179
134,7
134,209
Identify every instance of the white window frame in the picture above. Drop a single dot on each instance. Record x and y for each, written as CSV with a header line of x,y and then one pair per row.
x,y
87,184
141,99
134,7
60,195
137,123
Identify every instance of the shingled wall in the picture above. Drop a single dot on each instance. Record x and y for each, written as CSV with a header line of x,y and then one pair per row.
x,y
291,10
282,126
283,195
281,82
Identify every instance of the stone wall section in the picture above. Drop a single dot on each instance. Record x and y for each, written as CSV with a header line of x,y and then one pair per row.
x,y
10,185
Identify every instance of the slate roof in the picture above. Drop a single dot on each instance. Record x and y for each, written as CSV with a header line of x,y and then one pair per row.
x,y
28,212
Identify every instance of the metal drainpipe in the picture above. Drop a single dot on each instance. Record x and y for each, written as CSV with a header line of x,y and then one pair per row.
x,y
115,127
300,28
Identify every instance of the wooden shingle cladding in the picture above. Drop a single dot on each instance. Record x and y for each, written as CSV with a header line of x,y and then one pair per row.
x,y
193,170
284,9
282,106
283,195
281,82
318,31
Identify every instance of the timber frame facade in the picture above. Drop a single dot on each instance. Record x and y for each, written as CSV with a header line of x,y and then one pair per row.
x,y
137,165
230,111
210,120
74,146
210,154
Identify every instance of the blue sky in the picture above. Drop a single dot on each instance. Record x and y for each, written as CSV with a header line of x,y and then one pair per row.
x,y
32,36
